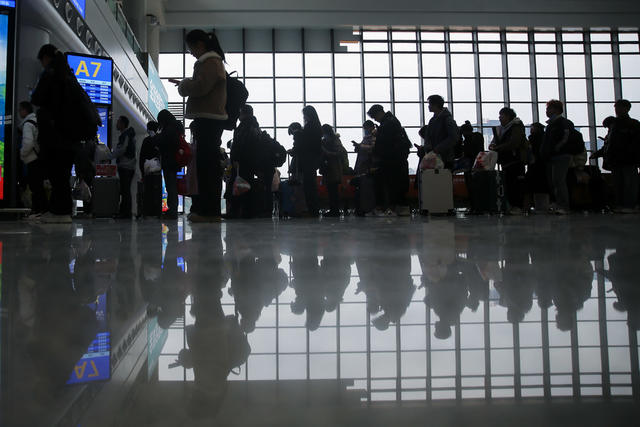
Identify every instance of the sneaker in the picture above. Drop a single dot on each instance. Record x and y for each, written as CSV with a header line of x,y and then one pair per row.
x,y
195,218
403,211
49,218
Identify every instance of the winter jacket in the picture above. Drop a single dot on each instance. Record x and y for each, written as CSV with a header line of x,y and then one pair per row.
x,y
125,151
245,148
149,150
556,136
30,148
168,141
392,146
624,143
441,135
333,160
49,96
308,148
207,89
510,143
365,160
472,146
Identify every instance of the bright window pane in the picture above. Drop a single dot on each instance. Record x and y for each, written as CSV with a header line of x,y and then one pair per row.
x,y
377,90
347,64
630,65
406,89
288,64
490,66
259,65
319,90
405,65
520,89
546,66
349,115
289,90
574,66
434,65
435,87
287,114
492,90
462,65
170,65
317,64
464,90
348,89
408,114
548,89
462,112
576,90
376,65
518,66
260,90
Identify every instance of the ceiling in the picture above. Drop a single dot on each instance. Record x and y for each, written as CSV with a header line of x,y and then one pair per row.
x,y
338,13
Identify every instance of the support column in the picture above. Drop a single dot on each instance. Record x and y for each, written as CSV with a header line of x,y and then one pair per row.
x,y
153,42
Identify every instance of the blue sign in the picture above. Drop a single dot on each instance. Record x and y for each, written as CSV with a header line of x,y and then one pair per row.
x,y
95,364
158,98
94,75
80,6
103,131
11,3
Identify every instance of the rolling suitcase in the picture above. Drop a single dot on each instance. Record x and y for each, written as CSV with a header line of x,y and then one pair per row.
x,y
106,196
487,192
152,195
436,191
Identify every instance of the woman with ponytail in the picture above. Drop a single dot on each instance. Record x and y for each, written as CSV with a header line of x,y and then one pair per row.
x,y
207,97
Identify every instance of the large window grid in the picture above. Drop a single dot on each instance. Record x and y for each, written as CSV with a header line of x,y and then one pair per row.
x,y
476,71
488,355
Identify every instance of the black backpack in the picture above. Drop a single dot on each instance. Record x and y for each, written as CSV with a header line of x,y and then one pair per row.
x,y
82,118
575,143
275,152
237,95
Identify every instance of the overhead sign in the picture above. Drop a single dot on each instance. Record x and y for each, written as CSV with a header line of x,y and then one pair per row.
x,y
80,6
95,75
158,98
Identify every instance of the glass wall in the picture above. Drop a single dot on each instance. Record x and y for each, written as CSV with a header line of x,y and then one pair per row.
x,y
476,71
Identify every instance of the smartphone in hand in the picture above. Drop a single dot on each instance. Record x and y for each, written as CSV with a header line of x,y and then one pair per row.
x,y
175,81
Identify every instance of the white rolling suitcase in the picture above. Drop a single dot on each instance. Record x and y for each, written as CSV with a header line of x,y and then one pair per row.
x,y
436,191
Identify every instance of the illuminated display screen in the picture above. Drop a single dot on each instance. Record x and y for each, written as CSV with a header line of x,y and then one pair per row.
x,y
95,364
103,131
12,3
4,44
94,75
80,6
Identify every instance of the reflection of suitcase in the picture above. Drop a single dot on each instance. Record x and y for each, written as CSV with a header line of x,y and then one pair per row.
x,y
152,195
106,196
436,191
487,192
292,202
365,194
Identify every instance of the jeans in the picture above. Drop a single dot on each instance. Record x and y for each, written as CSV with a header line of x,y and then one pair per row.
x,y
171,184
557,175
126,178
59,164
207,133
514,184
310,184
625,182
35,179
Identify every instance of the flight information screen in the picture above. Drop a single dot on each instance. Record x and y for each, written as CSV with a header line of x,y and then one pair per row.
x,y
95,75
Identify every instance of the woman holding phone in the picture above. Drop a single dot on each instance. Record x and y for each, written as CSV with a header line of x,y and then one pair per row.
x,y
207,97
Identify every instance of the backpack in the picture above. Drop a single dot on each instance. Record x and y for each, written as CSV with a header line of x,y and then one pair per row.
x,y
36,147
81,118
276,153
238,344
403,145
183,154
575,143
237,95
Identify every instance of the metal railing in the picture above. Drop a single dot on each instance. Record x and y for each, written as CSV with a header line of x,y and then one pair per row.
x,y
116,9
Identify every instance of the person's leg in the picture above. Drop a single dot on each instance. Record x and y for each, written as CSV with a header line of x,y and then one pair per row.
x,y
207,133
630,185
310,185
171,184
618,186
514,175
60,163
560,168
35,179
334,197
126,177
401,184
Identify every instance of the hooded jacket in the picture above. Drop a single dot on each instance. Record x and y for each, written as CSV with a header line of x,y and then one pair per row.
x,y
207,89
442,135
125,151
30,148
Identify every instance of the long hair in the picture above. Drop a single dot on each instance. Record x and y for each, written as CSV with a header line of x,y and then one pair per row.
x,y
211,42
312,117
328,130
165,118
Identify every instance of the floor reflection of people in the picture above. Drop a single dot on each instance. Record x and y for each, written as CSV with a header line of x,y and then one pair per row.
x,y
307,283
516,288
335,272
623,274
447,296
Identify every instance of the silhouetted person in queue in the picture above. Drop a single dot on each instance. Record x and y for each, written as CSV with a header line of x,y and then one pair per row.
x,y
57,144
510,143
334,164
168,141
537,185
245,159
470,145
151,179
441,133
125,155
308,152
207,98
623,156
392,151
607,123
30,157
365,160
555,153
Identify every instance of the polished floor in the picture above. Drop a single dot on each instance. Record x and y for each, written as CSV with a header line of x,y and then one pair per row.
x,y
376,322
